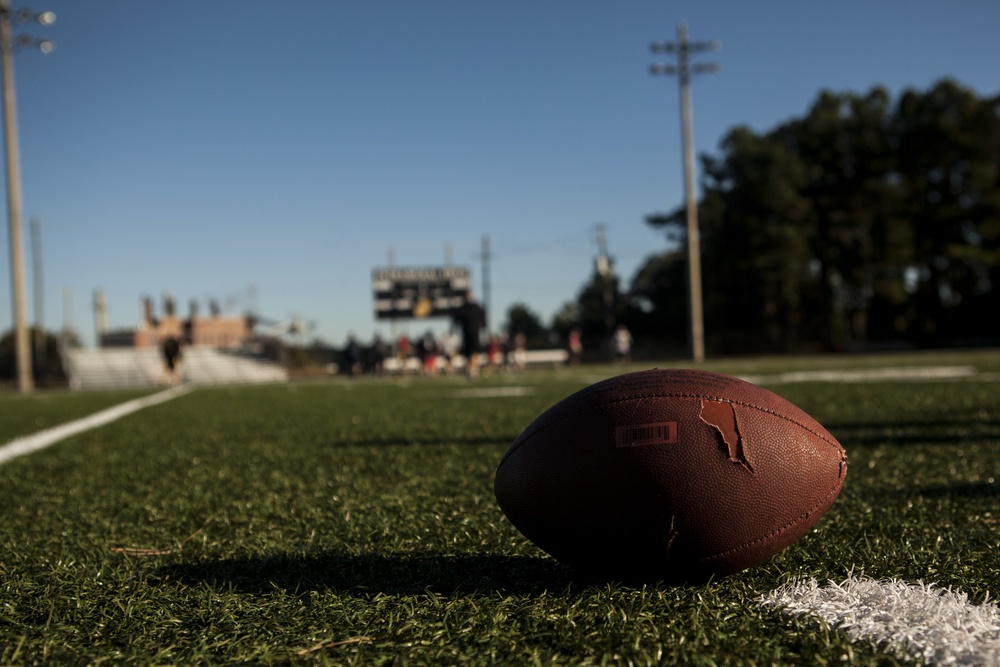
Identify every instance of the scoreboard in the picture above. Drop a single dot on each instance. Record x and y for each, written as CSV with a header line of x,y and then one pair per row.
x,y
418,292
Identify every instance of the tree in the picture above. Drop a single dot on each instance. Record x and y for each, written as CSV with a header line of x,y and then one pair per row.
x,y
565,320
601,305
858,241
949,171
658,297
522,320
860,221
49,371
754,225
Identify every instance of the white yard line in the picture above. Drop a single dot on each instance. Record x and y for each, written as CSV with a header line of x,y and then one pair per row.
x,y
42,439
868,375
917,621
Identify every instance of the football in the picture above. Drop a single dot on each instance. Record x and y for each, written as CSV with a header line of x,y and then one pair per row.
x,y
674,475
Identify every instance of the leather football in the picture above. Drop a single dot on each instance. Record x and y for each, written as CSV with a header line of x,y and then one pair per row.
x,y
675,475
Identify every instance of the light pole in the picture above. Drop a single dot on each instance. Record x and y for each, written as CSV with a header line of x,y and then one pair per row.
x,y
25,382
682,48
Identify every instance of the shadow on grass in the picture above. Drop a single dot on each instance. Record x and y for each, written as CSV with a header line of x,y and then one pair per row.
x,y
965,490
369,574
940,432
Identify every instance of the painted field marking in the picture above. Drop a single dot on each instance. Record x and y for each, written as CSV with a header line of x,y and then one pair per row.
x,y
868,375
915,621
494,392
32,443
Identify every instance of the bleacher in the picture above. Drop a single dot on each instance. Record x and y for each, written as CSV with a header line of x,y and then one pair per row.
x,y
206,365
127,368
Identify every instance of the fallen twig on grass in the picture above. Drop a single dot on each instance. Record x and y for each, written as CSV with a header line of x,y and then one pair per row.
x,y
145,552
342,642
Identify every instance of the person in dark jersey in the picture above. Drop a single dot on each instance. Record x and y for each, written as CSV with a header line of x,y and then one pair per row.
x,y
172,359
471,319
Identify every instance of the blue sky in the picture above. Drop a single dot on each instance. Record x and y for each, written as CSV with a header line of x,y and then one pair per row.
x,y
271,153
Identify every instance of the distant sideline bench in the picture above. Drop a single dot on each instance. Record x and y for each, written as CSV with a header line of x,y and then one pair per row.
x,y
531,358
550,357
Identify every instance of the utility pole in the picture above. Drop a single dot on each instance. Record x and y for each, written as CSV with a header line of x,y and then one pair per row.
x,y
485,255
683,70
394,322
100,314
605,270
68,316
22,339
38,273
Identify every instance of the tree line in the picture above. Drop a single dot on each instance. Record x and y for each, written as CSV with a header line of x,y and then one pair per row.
x,y
868,222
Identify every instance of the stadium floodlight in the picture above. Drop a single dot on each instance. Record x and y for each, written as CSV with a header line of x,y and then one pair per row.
x,y
683,70
26,16
46,46
22,343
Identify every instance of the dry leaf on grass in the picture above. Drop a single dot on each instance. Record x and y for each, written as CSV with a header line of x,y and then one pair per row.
x,y
146,552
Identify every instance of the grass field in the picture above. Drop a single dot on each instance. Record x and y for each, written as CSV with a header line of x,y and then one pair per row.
x,y
354,523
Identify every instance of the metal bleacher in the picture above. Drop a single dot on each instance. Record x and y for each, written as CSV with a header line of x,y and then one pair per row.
x,y
127,368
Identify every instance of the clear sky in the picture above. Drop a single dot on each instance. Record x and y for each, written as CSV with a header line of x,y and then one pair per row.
x,y
271,154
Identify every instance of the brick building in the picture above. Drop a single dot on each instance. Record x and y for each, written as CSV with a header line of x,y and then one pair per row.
x,y
213,331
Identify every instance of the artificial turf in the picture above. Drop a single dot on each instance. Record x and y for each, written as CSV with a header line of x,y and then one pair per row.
x,y
25,414
354,523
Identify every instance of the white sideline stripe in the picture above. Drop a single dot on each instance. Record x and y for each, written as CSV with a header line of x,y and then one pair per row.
x,y
32,443
917,621
867,375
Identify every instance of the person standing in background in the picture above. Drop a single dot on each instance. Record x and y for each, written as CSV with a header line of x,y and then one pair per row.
x,y
471,319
